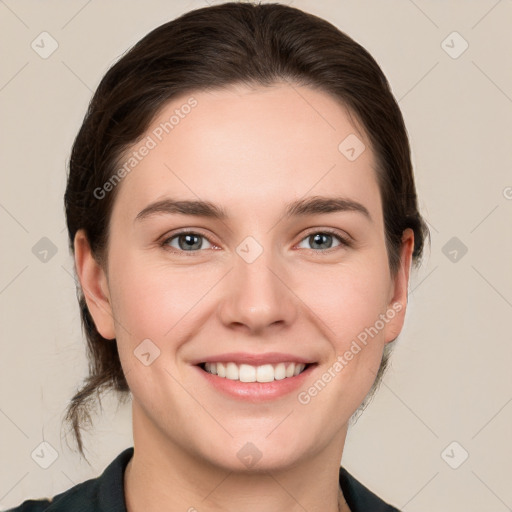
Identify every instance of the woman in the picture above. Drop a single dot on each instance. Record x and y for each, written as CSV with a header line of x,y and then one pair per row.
x,y
243,216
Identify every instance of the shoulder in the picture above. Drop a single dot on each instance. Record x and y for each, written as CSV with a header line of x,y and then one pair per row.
x,y
77,498
102,494
359,498
32,506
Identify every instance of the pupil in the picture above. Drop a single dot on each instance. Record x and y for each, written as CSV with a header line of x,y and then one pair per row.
x,y
319,236
190,243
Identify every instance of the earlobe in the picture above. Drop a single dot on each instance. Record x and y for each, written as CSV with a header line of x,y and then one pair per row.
x,y
94,286
398,303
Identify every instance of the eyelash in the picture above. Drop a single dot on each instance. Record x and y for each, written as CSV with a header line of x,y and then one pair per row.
x,y
344,242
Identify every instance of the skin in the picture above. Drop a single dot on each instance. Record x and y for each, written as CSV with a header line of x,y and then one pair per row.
x,y
249,150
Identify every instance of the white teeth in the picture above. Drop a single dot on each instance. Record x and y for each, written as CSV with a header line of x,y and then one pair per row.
x,y
265,373
232,371
280,371
249,373
221,370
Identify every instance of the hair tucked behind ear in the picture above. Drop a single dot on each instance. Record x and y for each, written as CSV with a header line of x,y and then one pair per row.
x,y
205,49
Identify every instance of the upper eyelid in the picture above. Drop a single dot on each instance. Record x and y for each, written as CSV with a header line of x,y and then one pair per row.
x,y
343,235
166,237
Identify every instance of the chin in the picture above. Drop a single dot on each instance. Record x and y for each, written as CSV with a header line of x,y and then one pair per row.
x,y
257,454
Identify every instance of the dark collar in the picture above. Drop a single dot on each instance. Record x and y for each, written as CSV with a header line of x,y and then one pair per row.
x,y
360,498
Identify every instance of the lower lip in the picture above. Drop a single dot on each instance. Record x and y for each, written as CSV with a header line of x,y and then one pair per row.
x,y
257,391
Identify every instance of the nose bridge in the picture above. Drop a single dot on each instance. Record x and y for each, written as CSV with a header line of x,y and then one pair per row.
x,y
257,296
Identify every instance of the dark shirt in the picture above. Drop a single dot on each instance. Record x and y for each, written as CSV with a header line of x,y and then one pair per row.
x,y
106,493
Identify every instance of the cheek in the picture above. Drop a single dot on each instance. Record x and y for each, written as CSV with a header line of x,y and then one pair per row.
x,y
347,298
157,304
150,300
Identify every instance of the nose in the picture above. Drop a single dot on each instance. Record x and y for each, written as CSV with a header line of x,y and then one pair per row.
x,y
258,296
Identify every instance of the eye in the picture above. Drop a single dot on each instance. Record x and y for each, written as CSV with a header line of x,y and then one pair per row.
x,y
187,241
190,241
324,240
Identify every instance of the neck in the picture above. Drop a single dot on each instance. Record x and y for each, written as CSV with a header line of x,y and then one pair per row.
x,y
162,477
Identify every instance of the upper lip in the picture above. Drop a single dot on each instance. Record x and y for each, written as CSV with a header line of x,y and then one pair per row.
x,y
253,359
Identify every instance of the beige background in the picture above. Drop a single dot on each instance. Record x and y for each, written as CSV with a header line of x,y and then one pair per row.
x,y
450,378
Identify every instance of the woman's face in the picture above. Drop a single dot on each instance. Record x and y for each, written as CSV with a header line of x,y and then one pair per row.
x,y
296,271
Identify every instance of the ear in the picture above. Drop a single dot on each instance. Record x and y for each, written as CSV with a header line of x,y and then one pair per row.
x,y
94,284
398,302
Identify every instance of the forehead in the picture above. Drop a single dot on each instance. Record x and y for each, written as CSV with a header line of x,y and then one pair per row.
x,y
249,146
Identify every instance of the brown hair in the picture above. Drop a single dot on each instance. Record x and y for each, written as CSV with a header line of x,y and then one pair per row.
x,y
215,47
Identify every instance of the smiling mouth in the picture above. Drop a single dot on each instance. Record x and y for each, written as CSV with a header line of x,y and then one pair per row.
x,y
250,373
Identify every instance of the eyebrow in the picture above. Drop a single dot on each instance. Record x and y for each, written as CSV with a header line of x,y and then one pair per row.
x,y
310,206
